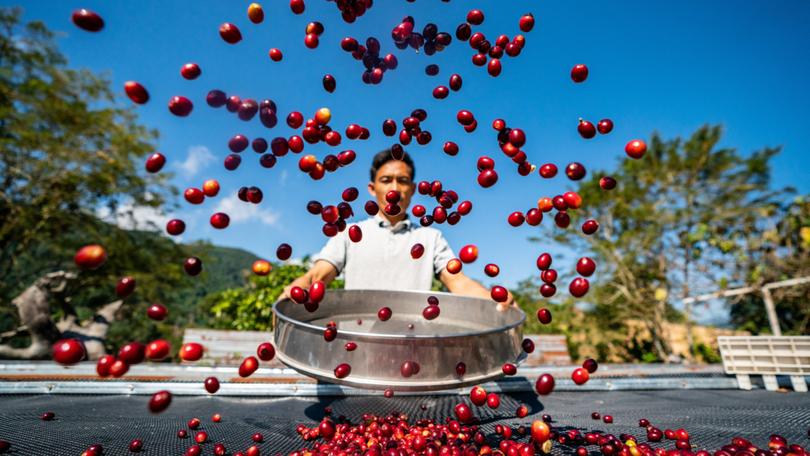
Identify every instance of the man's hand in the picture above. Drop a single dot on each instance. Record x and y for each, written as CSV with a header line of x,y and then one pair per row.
x,y
321,270
510,302
304,282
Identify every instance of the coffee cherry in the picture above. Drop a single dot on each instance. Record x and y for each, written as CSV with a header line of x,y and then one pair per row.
x,y
579,73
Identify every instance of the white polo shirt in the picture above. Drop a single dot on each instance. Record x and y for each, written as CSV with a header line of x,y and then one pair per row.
x,y
382,259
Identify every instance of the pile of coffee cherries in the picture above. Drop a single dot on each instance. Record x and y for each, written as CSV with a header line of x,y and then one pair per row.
x,y
395,434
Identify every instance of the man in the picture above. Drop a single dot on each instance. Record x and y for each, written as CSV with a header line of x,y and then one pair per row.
x,y
382,259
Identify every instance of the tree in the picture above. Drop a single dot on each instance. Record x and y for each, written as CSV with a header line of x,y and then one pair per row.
x,y
673,227
250,308
67,151
781,253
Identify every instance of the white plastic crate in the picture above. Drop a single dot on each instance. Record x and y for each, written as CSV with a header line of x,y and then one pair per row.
x,y
768,356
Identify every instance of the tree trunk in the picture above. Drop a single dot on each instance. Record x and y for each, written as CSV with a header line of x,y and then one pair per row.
x,y
33,307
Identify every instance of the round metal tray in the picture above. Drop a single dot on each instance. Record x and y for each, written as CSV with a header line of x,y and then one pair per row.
x,y
469,330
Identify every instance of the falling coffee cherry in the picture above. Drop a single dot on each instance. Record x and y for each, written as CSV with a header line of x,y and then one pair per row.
x,y
493,400
329,83
578,287
475,17
103,365
431,312
468,253
255,13
275,54
157,350
155,162
180,106
579,73
261,267
284,252
635,149
605,126
68,351
157,312
355,233
220,220
343,370
544,316
492,270
299,295
160,401
193,266
136,92
586,266
590,226
575,171
463,413
586,129
317,291
579,376
90,257
175,227
265,351
230,33
384,314
499,293
191,351
526,22
190,71
607,183
87,20
125,286
248,367
461,369
544,384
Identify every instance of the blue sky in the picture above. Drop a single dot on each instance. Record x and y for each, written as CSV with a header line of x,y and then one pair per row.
x,y
653,67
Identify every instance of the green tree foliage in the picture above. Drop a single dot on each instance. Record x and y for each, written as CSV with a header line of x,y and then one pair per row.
x,y
251,307
67,149
781,253
674,227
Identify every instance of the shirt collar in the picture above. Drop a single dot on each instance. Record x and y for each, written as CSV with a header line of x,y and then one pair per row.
x,y
402,225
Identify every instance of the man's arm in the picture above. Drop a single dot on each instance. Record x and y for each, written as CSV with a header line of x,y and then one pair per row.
x,y
459,283
322,270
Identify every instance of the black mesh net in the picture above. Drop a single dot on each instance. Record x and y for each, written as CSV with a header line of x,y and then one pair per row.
x,y
711,417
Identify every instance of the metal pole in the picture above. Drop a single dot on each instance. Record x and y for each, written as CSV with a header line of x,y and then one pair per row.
x,y
771,311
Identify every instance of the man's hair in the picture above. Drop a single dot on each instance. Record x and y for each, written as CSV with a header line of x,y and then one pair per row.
x,y
384,156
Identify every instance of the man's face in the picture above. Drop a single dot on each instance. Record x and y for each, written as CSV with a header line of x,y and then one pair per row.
x,y
393,175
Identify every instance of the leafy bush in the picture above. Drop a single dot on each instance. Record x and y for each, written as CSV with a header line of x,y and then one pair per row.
x,y
250,308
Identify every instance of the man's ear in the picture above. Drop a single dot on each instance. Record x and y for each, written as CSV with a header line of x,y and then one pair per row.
x,y
371,190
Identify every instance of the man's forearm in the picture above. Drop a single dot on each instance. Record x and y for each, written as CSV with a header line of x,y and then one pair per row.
x,y
323,271
461,284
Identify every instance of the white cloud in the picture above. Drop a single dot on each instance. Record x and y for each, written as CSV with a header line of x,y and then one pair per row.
x,y
130,217
283,178
240,211
198,158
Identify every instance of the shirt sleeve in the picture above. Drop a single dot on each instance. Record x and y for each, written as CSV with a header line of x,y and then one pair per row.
x,y
334,252
442,253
